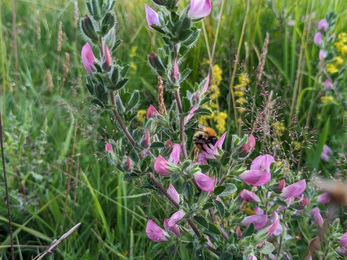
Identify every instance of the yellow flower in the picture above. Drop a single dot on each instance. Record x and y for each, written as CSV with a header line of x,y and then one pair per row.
x,y
297,145
331,68
243,79
338,60
133,65
221,121
239,93
279,163
216,75
319,116
241,100
279,128
342,37
140,115
133,51
326,99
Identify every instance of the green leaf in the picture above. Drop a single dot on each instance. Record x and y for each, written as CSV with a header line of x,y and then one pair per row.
x,y
186,105
218,190
220,207
203,111
157,145
267,249
229,189
121,84
202,221
205,168
185,74
145,162
208,206
249,230
149,186
225,256
185,34
134,100
280,202
158,29
213,229
188,190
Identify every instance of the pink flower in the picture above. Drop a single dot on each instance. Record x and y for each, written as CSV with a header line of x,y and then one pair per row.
x,y
202,159
317,216
108,148
169,145
280,186
155,233
151,111
327,84
249,146
129,166
341,251
108,58
317,38
175,72
174,194
322,54
175,154
258,211
343,240
88,58
262,162
177,216
294,190
323,24
210,153
288,201
199,8
255,177
303,203
191,114
251,257
324,198
204,182
274,217
152,17
174,229
238,232
247,195
160,166
273,227
147,139
326,150
217,198
259,221
324,157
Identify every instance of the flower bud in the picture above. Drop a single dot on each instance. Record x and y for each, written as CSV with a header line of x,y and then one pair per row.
x,y
108,148
88,28
323,24
317,216
156,64
251,257
169,145
191,114
174,194
160,166
327,84
208,240
238,232
151,111
107,23
155,233
259,221
274,217
247,196
299,205
129,166
273,227
175,154
199,9
317,38
255,177
204,182
294,190
108,58
147,139
88,58
196,97
278,188
175,72
152,17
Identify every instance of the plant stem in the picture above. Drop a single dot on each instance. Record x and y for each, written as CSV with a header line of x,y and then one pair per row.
x,y
14,30
280,246
179,105
6,187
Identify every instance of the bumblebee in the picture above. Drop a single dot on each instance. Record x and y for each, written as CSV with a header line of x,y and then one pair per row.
x,y
205,135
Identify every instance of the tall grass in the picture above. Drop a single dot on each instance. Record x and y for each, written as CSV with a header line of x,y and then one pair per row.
x,y
42,125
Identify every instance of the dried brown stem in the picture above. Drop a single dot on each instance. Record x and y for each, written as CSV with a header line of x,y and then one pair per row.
x,y
6,188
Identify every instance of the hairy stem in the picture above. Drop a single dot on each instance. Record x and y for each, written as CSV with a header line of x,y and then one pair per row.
x,y
179,105
6,188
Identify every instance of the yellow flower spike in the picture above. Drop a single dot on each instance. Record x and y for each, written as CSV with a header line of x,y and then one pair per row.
x,y
326,99
279,163
297,145
331,68
133,51
338,60
133,66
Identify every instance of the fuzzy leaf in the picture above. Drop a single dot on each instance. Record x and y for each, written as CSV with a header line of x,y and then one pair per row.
x,y
220,207
157,145
249,230
202,221
203,111
225,256
229,189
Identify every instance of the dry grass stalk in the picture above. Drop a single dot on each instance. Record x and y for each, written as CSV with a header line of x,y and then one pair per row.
x,y
66,66
76,15
60,35
196,155
162,109
262,58
38,29
49,80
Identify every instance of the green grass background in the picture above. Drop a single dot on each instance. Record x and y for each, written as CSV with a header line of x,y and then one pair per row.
x,y
40,125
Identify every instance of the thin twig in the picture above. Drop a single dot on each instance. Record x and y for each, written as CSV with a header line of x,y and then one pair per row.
x,y
6,188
